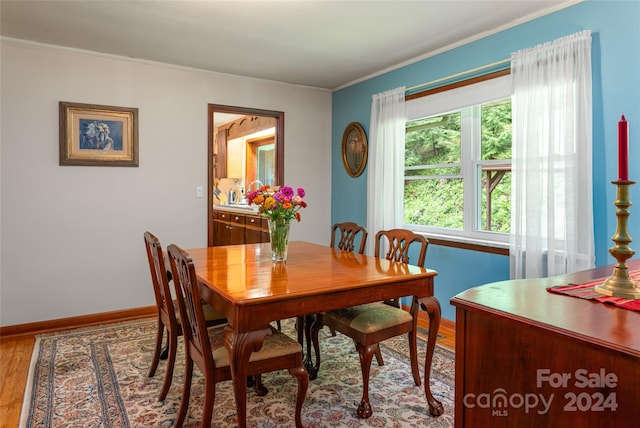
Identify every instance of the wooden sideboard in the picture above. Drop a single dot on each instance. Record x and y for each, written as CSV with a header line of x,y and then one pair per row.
x,y
526,357
232,228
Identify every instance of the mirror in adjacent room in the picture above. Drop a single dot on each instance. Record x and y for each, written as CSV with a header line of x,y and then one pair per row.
x,y
245,149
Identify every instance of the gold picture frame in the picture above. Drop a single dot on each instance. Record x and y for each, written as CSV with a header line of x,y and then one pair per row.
x,y
97,135
354,149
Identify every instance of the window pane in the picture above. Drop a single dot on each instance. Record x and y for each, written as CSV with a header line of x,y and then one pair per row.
x,y
498,195
496,130
433,141
266,163
435,202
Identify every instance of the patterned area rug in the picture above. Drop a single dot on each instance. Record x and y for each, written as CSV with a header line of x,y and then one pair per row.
x,y
96,377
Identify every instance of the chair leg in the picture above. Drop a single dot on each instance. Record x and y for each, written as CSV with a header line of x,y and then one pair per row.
x,y
413,356
315,328
366,354
308,321
165,353
209,399
303,325
379,359
186,392
260,389
303,383
168,376
156,352
300,329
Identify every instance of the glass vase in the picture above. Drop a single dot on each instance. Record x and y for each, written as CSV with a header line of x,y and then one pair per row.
x,y
279,236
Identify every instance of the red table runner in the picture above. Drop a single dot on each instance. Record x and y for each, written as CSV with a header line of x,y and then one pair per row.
x,y
587,291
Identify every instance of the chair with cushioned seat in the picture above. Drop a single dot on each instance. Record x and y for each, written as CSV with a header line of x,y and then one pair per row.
x,y
343,237
347,233
372,323
168,315
205,347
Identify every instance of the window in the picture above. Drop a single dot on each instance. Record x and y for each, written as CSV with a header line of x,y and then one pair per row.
x,y
457,181
265,161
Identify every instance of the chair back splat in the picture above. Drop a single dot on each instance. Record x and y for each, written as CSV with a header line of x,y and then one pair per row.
x,y
398,243
347,233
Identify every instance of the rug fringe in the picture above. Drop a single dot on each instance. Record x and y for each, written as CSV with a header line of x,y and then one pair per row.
x,y
95,327
26,402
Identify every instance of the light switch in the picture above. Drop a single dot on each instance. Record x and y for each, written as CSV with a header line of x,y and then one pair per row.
x,y
199,192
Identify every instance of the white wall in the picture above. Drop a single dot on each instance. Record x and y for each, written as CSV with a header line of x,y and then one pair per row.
x,y
71,237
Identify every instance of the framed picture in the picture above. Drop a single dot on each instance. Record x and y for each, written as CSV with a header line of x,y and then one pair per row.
x,y
354,149
95,135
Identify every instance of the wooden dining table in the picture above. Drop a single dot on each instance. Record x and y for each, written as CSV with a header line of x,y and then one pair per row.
x,y
252,291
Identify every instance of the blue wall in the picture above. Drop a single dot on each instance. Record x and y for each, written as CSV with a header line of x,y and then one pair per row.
x,y
615,27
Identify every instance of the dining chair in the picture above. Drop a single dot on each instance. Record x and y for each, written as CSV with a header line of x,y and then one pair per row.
x,y
167,313
372,323
205,347
346,233
344,236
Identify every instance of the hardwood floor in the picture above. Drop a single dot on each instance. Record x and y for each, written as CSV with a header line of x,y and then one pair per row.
x,y
15,358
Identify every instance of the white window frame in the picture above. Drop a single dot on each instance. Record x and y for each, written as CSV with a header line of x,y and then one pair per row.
x,y
456,100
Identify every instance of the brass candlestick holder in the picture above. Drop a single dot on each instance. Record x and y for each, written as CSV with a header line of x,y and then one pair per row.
x,y
619,284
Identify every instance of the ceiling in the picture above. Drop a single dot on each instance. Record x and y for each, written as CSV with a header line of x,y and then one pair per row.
x,y
325,44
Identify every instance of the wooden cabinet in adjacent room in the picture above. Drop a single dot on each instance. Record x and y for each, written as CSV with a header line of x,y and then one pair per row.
x,y
220,156
231,228
256,229
228,228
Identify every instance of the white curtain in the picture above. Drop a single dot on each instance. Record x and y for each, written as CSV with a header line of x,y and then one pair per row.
x,y
551,205
386,163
